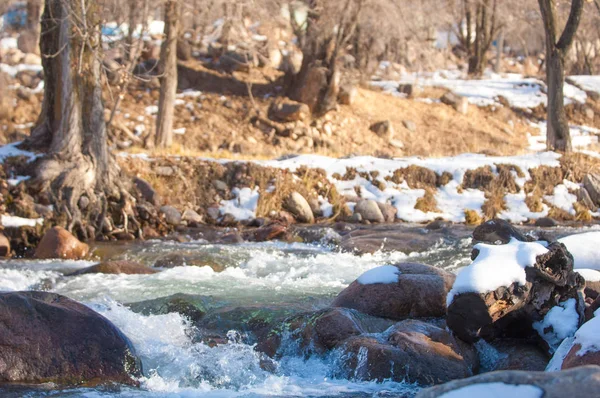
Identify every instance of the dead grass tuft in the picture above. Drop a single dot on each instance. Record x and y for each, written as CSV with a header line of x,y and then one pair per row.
x,y
534,201
427,202
494,203
544,179
576,165
472,217
417,177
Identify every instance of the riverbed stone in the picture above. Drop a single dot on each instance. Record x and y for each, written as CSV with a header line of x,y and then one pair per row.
x,y
172,215
192,307
420,292
515,354
47,337
579,382
4,246
415,352
117,267
498,232
57,242
369,210
299,207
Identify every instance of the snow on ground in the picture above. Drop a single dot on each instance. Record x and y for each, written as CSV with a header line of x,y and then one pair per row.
x,y
386,274
451,200
12,149
520,92
581,136
590,275
588,83
12,221
495,390
496,266
584,248
559,323
243,206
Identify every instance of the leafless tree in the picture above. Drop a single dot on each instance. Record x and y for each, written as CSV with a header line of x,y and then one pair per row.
x,y
168,80
558,134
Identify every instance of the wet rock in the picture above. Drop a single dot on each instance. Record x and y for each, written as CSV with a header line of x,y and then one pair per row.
x,y
369,211
57,242
383,129
172,260
46,337
231,238
591,182
299,207
460,104
4,246
545,222
415,352
172,215
515,354
191,217
148,193
580,382
117,267
271,231
420,292
498,232
190,306
288,111
321,331
511,310
438,224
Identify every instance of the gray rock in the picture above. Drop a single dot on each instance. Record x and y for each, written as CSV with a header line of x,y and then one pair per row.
x,y
460,104
191,216
356,217
383,129
213,213
388,211
369,210
578,382
591,183
545,222
299,207
172,215
584,196
147,192
220,186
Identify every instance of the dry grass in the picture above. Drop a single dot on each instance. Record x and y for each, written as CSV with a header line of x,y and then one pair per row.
x,y
494,203
534,201
417,177
472,217
427,202
544,179
576,165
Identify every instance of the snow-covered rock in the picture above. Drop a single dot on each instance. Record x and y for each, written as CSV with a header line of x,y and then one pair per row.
x,y
584,248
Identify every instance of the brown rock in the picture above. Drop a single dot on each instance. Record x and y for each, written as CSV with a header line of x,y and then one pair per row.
x,y
516,354
415,352
420,293
288,111
57,242
4,246
383,129
117,267
46,337
460,104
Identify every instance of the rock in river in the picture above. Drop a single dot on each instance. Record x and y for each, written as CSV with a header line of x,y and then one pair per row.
x,y
57,242
406,290
46,337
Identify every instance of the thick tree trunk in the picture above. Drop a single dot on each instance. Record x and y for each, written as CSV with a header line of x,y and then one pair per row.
x,y
71,127
558,134
168,83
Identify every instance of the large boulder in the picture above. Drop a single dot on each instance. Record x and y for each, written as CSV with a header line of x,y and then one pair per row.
x,y
117,267
498,232
513,354
580,382
508,290
401,291
57,242
46,337
415,352
299,207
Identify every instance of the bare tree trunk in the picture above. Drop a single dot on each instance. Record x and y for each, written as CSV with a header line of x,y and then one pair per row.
x,y
168,83
71,125
478,42
129,45
558,134
34,9
500,51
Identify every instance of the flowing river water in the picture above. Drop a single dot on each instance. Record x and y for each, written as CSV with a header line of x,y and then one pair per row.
x,y
236,282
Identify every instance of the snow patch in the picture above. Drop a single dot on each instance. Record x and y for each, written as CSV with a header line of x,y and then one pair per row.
x,y
559,323
496,266
588,337
243,206
386,274
495,390
590,275
584,248
16,222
